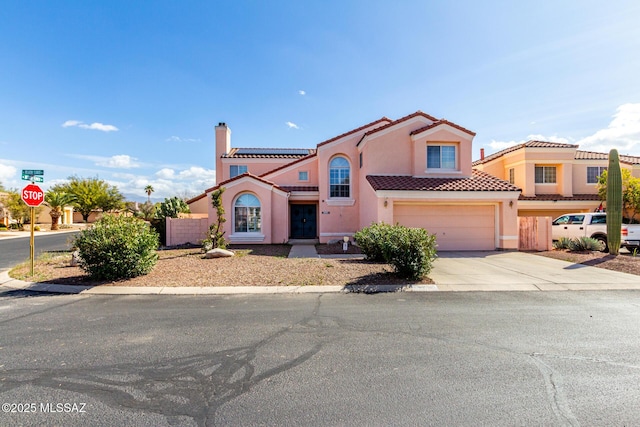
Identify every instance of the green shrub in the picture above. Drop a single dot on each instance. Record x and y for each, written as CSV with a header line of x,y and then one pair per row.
x,y
562,243
581,244
371,239
411,251
117,247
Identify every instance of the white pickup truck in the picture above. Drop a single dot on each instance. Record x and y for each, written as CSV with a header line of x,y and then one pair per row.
x,y
593,225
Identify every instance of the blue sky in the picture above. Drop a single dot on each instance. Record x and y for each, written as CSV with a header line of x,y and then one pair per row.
x,y
131,91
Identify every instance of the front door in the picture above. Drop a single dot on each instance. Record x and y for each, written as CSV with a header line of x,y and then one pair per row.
x,y
303,221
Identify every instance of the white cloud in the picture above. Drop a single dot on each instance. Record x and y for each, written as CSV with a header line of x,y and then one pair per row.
x,y
179,139
165,173
92,126
121,161
622,133
301,92
167,182
7,172
292,125
501,145
70,123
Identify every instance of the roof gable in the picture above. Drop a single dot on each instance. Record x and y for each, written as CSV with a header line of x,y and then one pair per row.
x,y
335,138
288,165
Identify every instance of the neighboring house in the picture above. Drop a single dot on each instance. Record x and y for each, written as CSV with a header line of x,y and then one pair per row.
x,y
416,171
555,178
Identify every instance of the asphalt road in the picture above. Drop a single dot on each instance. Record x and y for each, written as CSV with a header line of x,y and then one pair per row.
x,y
15,251
518,358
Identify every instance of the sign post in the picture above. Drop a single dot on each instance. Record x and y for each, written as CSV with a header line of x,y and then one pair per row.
x,y
33,196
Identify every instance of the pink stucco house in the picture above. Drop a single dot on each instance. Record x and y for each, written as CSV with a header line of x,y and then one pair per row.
x,y
555,178
416,171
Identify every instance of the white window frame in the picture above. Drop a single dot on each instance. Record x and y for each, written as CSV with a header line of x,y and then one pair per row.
x,y
306,176
247,232
349,169
440,146
238,169
600,170
544,175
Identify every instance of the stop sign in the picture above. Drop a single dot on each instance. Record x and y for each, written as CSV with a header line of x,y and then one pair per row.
x,y
32,195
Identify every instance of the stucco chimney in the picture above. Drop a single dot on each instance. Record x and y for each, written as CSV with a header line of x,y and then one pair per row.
x,y
223,146
482,154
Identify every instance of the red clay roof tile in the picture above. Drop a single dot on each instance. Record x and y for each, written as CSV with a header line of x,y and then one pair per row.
x,y
558,197
479,181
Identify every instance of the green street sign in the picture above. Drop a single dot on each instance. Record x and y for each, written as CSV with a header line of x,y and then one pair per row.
x,y
32,172
34,178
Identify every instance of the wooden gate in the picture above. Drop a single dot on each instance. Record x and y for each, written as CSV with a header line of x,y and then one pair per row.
x,y
534,233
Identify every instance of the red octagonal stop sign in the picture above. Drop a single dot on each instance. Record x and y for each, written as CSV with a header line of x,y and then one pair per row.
x,y
32,195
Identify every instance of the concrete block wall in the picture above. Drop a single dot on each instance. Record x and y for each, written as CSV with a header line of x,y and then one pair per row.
x,y
186,230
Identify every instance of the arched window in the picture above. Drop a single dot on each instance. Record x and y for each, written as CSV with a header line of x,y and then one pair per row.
x,y
247,217
339,177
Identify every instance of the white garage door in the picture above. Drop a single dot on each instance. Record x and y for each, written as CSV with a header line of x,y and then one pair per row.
x,y
457,227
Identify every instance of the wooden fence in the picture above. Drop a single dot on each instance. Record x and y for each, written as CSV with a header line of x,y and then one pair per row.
x,y
535,233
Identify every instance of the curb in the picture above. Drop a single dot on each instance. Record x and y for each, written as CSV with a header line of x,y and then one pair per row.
x,y
7,284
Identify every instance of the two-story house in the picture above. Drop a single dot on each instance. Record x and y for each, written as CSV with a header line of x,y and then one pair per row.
x,y
555,178
415,171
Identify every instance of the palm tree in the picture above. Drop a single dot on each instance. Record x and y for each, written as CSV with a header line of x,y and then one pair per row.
x,y
57,200
149,189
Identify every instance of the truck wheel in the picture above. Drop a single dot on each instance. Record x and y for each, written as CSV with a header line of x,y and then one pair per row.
x,y
603,240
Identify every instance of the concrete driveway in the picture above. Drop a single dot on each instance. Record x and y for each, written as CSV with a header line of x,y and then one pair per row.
x,y
519,271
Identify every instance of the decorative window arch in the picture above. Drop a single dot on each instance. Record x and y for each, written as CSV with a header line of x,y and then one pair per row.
x,y
247,217
339,177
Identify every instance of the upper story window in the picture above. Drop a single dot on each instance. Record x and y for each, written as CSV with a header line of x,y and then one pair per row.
x,y
235,170
303,176
593,172
441,157
339,172
246,218
512,176
545,174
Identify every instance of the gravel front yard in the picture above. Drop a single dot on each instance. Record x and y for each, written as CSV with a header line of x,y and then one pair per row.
x,y
625,262
259,265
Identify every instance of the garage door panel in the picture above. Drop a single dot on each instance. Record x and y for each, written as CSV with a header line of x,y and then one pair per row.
x,y
457,227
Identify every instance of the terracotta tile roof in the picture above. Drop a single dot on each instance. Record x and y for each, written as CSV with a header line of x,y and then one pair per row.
x,y
290,188
591,155
479,181
443,122
558,197
288,164
335,138
528,144
196,198
269,153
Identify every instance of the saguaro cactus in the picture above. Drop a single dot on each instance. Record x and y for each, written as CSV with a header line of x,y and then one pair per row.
x,y
614,202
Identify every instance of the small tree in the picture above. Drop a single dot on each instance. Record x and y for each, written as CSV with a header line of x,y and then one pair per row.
x,y
57,200
215,236
19,209
149,189
91,194
630,192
